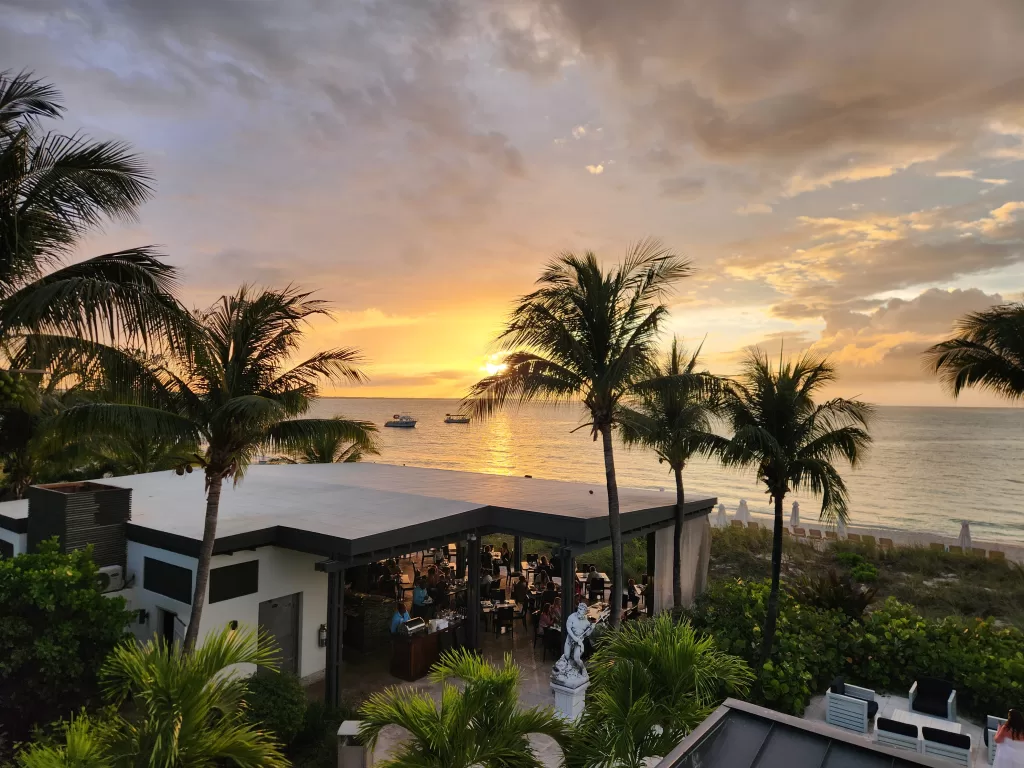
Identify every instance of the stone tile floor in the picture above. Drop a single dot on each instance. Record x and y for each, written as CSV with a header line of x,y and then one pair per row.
x,y
365,676
889,704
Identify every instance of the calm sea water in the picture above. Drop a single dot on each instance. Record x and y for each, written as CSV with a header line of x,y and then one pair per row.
x,y
928,469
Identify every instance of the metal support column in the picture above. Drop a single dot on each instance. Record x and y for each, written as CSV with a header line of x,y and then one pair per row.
x,y
460,560
568,580
335,641
517,554
473,594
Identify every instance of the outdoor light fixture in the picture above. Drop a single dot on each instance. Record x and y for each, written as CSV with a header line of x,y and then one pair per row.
x,y
233,625
143,616
321,636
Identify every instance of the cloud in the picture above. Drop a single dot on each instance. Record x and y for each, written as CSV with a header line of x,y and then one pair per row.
x,y
753,208
682,187
579,131
969,174
595,170
372,318
802,94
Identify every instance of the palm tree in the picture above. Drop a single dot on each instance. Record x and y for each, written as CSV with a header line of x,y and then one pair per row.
x,y
793,443
186,710
586,334
334,449
987,352
482,725
55,188
651,683
234,395
671,412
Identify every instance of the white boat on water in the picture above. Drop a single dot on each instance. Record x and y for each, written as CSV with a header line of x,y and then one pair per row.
x,y
456,418
401,421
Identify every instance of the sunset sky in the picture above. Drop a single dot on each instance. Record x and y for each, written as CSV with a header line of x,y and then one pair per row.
x,y
844,174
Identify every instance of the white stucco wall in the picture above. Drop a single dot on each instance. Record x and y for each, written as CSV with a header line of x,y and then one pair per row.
x,y
282,572
18,540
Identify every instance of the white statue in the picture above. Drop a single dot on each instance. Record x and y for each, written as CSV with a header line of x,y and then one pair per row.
x,y
570,670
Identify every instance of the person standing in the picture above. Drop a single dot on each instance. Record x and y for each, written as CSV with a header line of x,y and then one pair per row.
x,y
399,618
1010,742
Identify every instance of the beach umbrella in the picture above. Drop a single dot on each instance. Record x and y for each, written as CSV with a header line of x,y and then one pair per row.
x,y
841,529
964,539
742,513
794,518
721,521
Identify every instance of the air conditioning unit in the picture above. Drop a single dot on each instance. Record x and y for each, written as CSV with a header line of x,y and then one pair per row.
x,y
110,578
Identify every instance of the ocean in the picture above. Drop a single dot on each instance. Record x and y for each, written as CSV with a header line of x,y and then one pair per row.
x,y
928,468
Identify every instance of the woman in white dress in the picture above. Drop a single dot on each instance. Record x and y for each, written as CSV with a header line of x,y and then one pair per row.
x,y
1010,742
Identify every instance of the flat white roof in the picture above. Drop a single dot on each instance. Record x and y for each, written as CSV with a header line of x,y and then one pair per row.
x,y
368,502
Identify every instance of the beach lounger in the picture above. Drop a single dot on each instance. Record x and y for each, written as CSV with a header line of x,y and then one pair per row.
x,y
753,526
799,531
866,539
815,534
736,523
854,537
831,536
955,549
937,546
979,551
997,554
785,532
885,543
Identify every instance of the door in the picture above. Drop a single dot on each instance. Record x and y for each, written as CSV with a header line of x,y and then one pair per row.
x,y
166,626
280,618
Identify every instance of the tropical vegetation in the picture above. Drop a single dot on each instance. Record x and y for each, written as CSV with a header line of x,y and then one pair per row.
x,y
652,682
55,631
586,334
793,443
234,394
987,352
171,709
481,725
672,412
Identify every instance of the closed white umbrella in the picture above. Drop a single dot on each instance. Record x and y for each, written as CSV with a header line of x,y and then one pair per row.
x,y
964,540
742,513
794,518
721,521
841,529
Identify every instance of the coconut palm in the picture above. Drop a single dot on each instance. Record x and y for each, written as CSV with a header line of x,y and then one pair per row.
x,y
987,352
235,395
792,442
671,413
482,725
586,334
54,189
186,710
334,449
651,683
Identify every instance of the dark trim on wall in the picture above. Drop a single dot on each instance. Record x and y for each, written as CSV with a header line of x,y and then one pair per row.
x,y
581,534
231,581
14,524
167,579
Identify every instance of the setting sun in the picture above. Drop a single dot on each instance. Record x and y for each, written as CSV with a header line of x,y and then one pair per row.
x,y
495,368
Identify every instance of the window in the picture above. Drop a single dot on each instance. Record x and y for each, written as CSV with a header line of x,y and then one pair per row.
x,y
167,579
234,581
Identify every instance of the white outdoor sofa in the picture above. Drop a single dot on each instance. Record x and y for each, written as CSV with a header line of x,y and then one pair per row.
x,y
992,724
955,747
850,707
890,733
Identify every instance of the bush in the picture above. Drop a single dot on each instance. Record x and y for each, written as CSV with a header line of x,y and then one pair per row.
x,y
890,648
864,572
277,702
833,591
316,745
55,631
850,559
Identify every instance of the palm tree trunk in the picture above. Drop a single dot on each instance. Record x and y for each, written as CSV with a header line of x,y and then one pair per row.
x,y
773,596
205,556
677,544
614,525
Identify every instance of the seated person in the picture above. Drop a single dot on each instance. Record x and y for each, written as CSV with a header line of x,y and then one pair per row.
x,y
632,594
400,617
521,592
592,574
549,595
432,576
545,619
541,579
556,610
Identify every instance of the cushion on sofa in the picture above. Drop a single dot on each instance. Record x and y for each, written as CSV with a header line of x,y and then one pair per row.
x,y
939,736
838,686
904,729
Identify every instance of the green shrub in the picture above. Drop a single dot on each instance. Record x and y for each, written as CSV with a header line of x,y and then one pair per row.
x,y
277,702
850,559
864,572
55,631
888,649
833,591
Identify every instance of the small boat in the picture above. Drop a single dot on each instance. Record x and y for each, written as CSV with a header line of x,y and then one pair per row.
x,y
456,418
401,421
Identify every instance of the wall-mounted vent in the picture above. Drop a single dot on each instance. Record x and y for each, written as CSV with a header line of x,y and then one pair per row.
x,y
80,514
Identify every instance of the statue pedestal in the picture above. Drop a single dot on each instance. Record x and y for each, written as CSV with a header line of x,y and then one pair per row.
x,y
569,700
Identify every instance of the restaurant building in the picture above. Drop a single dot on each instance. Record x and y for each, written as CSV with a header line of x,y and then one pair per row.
x,y
287,534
